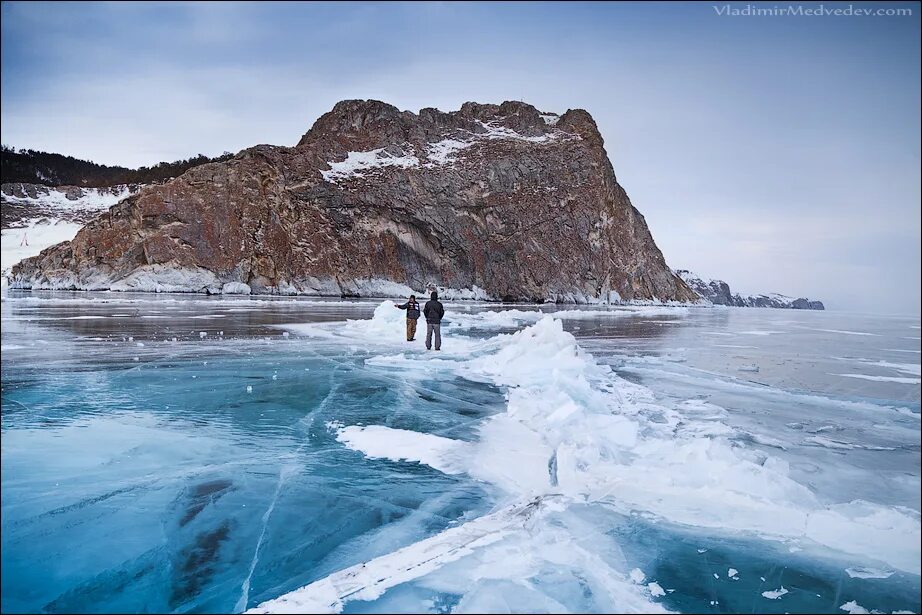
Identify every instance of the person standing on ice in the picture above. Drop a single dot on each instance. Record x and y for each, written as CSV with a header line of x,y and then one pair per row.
x,y
412,308
434,311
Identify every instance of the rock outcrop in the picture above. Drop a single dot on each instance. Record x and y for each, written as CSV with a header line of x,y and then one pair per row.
x,y
718,292
35,216
501,199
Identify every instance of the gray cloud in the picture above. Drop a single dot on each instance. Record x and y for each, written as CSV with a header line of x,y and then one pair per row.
x,y
780,155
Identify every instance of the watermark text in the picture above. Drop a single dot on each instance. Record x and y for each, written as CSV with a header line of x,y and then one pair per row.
x,y
799,10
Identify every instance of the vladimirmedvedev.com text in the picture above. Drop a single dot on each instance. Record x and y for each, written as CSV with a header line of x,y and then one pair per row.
x,y
799,10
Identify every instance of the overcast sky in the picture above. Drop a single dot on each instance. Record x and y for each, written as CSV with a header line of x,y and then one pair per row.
x,y
780,153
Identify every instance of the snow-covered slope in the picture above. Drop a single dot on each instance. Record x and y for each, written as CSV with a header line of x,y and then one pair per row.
x,y
718,292
35,217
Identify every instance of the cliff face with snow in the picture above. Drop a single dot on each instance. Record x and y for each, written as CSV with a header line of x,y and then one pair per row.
x,y
502,199
718,292
35,217
26,203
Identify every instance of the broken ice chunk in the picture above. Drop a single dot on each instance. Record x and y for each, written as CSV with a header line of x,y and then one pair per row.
x,y
775,593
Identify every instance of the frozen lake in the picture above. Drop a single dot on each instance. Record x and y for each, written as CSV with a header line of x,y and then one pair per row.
x,y
190,454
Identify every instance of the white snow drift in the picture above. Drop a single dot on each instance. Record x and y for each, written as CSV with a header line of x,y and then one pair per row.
x,y
574,434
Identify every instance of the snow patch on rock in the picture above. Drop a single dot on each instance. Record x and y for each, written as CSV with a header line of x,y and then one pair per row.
x,y
357,164
69,198
494,130
443,152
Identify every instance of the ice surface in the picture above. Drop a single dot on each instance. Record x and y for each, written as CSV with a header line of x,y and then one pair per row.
x,y
569,431
511,318
905,368
515,467
862,572
847,332
898,379
371,579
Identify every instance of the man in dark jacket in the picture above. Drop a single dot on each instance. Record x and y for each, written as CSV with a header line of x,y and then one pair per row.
x,y
434,312
412,308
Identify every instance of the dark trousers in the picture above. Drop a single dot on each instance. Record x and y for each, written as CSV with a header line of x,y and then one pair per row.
x,y
430,329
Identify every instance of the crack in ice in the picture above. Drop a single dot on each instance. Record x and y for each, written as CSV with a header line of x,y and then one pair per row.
x,y
284,472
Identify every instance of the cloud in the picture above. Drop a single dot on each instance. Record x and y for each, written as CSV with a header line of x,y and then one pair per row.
x,y
781,155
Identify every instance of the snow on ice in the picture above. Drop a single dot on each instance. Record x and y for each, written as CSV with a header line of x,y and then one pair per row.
x,y
574,432
863,572
854,608
775,593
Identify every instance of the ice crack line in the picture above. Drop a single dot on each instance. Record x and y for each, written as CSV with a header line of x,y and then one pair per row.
x,y
245,588
370,579
552,468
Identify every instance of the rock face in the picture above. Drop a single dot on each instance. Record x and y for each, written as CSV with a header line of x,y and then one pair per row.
x,y
718,292
35,216
500,199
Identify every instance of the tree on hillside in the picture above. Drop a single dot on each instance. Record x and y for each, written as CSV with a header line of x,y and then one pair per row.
x,y
37,167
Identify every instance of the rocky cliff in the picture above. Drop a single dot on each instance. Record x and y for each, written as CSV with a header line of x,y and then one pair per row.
x,y
718,292
35,217
502,199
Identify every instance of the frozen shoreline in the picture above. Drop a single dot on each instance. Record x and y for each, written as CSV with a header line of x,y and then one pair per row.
x,y
356,289
464,296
